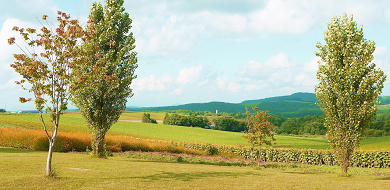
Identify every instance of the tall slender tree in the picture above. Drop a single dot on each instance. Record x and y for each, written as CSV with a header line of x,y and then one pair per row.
x,y
349,85
258,129
45,65
103,75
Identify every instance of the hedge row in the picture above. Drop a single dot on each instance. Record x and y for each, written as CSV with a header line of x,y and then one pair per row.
x,y
370,159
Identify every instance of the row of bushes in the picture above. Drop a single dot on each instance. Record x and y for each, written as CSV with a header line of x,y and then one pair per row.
x,y
80,142
37,140
370,159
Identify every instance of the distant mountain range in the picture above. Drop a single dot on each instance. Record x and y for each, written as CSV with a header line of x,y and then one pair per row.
x,y
294,105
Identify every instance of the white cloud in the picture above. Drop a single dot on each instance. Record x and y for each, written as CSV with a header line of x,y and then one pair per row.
x,y
234,87
221,82
305,78
7,75
6,32
152,83
164,36
178,91
170,28
281,17
276,72
387,14
272,66
28,10
302,79
190,75
312,66
380,51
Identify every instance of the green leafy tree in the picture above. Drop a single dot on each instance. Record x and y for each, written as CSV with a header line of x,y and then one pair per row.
x,y
146,119
105,72
258,129
349,85
48,73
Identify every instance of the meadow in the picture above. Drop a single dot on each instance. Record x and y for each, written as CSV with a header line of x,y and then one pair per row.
x,y
123,170
73,122
79,171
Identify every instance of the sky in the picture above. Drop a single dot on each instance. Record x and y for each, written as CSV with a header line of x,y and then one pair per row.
x,y
210,50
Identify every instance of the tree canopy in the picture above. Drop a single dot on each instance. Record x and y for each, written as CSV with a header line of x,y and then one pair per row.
x,y
45,66
104,73
349,85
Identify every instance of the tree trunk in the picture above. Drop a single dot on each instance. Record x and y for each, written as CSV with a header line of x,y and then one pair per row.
x,y
344,167
98,148
344,158
259,159
49,157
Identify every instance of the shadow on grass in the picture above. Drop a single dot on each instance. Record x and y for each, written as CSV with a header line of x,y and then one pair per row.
x,y
384,178
14,150
304,172
180,176
193,175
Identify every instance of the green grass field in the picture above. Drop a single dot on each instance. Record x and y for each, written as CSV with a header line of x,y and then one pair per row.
x,y
73,122
23,169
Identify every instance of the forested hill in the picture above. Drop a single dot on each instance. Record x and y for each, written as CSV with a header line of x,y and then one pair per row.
x,y
294,105
300,97
210,106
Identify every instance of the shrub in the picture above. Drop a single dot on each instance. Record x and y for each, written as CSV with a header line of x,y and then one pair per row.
x,y
146,119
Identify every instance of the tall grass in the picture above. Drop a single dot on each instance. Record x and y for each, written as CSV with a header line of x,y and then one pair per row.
x,y
70,141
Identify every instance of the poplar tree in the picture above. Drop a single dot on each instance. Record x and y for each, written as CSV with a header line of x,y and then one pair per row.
x,y
104,73
45,66
349,85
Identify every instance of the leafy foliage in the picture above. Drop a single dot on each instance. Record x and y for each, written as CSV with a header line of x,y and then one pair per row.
x,y
106,70
146,119
258,129
229,124
313,125
348,85
48,73
189,121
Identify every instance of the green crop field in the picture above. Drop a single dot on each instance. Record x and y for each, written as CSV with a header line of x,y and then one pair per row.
x,y
139,115
23,169
73,122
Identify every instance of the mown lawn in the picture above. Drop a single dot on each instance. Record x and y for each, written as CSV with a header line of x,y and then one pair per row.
x,y
73,122
23,169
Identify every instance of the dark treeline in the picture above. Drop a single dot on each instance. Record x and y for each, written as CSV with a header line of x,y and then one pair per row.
x,y
229,124
189,121
380,126
305,125
314,125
